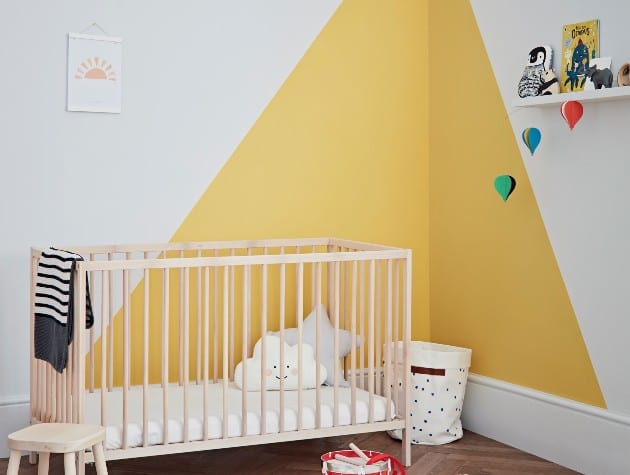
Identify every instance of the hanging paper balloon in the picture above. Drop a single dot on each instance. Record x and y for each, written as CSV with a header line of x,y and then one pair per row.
x,y
531,137
572,112
504,184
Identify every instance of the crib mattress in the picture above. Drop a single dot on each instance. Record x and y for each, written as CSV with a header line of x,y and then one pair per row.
x,y
114,411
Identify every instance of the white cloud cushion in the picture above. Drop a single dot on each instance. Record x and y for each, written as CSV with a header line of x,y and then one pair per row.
x,y
327,342
272,367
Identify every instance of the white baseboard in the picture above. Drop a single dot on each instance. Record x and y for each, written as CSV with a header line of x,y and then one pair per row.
x,y
14,415
584,438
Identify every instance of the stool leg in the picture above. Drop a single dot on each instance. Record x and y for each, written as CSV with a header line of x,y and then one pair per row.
x,y
32,458
14,462
69,463
81,462
42,468
99,459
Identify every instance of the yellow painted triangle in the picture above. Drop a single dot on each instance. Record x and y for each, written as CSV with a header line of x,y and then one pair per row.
x,y
495,283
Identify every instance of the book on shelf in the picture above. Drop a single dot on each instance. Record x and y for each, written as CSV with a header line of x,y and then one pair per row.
x,y
580,44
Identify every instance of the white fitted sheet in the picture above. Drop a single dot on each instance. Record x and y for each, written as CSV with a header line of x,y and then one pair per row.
x,y
114,411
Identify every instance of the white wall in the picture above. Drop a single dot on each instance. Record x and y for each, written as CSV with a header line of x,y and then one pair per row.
x,y
197,74
579,177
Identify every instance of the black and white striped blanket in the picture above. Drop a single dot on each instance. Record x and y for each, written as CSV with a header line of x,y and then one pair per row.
x,y
54,306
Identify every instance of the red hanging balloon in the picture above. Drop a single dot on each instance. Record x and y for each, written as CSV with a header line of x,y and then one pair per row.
x,y
572,112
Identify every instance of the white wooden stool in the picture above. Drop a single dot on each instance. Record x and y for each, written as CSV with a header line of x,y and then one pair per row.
x,y
67,439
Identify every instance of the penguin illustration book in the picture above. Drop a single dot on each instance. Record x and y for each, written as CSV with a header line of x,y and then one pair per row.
x,y
539,62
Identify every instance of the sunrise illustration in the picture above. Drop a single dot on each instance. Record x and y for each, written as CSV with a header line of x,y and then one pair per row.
x,y
95,68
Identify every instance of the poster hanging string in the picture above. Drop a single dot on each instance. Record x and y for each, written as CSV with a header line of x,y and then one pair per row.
x,y
94,25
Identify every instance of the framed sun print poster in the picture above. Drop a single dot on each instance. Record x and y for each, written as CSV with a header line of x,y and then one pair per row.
x,y
94,73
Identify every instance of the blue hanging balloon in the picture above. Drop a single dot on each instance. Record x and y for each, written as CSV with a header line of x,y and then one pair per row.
x,y
531,137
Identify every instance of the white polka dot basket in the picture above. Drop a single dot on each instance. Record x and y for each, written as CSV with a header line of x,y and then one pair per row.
x,y
438,384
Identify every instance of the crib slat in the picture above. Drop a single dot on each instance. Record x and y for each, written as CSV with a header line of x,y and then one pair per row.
x,y
72,381
318,353
377,304
79,340
110,383
145,360
215,317
345,304
65,410
91,347
53,396
388,342
49,392
362,324
232,316
249,305
185,351
165,336
104,342
263,356
59,384
406,452
371,343
70,394
198,319
396,333
283,283
337,376
313,251
206,349
226,296
330,291
39,367
300,315
353,353
35,401
126,357
63,397
181,322
232,308
244,348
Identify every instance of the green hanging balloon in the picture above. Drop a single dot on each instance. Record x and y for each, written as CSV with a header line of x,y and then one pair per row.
x,y
504,184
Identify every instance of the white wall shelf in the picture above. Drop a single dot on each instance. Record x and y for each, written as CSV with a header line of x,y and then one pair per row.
x,y
609,94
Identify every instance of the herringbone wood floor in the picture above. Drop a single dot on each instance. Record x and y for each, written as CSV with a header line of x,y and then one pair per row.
x,y
471,455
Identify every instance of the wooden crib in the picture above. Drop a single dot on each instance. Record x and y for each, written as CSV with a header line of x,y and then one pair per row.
x,y
173,320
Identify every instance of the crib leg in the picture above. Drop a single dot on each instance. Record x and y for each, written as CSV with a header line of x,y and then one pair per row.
x,y
32,458
406,447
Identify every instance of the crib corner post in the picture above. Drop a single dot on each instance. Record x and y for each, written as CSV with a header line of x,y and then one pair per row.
x,y
407,290
33,364
78,341
406,447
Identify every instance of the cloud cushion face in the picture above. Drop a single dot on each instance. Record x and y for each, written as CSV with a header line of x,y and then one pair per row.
x,y
272,371
327,342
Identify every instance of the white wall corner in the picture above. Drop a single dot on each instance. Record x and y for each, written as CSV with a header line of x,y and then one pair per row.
x,y
585,438
14,415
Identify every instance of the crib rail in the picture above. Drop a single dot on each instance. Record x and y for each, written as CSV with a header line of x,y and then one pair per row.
x,y
182,315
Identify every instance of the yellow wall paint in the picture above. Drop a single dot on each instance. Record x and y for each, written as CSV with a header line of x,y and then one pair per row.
x,y
495,284
341,150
